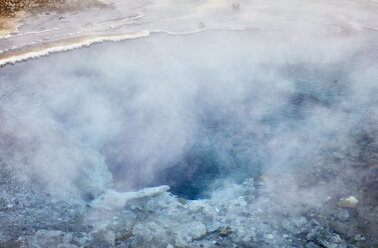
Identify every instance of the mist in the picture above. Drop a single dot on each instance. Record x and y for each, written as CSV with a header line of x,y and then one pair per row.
x,y
139,108
195,112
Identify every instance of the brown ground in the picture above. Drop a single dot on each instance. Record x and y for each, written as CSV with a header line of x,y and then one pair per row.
x,y
11,7
8,24
13,11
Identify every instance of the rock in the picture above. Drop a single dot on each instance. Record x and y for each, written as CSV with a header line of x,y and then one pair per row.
x,y
358,237
124,236
294,225
312,245
185,234
270,236
336,238
343,229
48,238
299,221
67,246
329,244
348,202
67,238
342,215
113,200
154,218
198,230
22,242
150,192
81,239
102,239
148,231
324,237
225,232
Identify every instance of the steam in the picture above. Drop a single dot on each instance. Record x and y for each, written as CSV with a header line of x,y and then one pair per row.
x,y
123,115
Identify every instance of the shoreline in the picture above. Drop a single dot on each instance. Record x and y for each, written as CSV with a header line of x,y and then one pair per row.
x,y
69,44
44,32
65,45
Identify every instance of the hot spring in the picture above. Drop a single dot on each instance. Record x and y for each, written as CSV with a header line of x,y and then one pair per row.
x,y
195,112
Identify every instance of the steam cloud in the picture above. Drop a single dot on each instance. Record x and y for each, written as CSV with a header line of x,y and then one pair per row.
x,y
146,108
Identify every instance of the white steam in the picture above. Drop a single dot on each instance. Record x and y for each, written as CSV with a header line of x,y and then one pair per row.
x,y
140,106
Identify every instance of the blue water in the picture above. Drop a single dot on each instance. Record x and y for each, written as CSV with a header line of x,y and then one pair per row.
x,y
184,111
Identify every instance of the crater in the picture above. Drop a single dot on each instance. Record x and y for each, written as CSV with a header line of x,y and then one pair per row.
x,y
192,112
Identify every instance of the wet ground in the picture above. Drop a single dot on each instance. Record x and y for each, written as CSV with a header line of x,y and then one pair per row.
x,y
42,28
